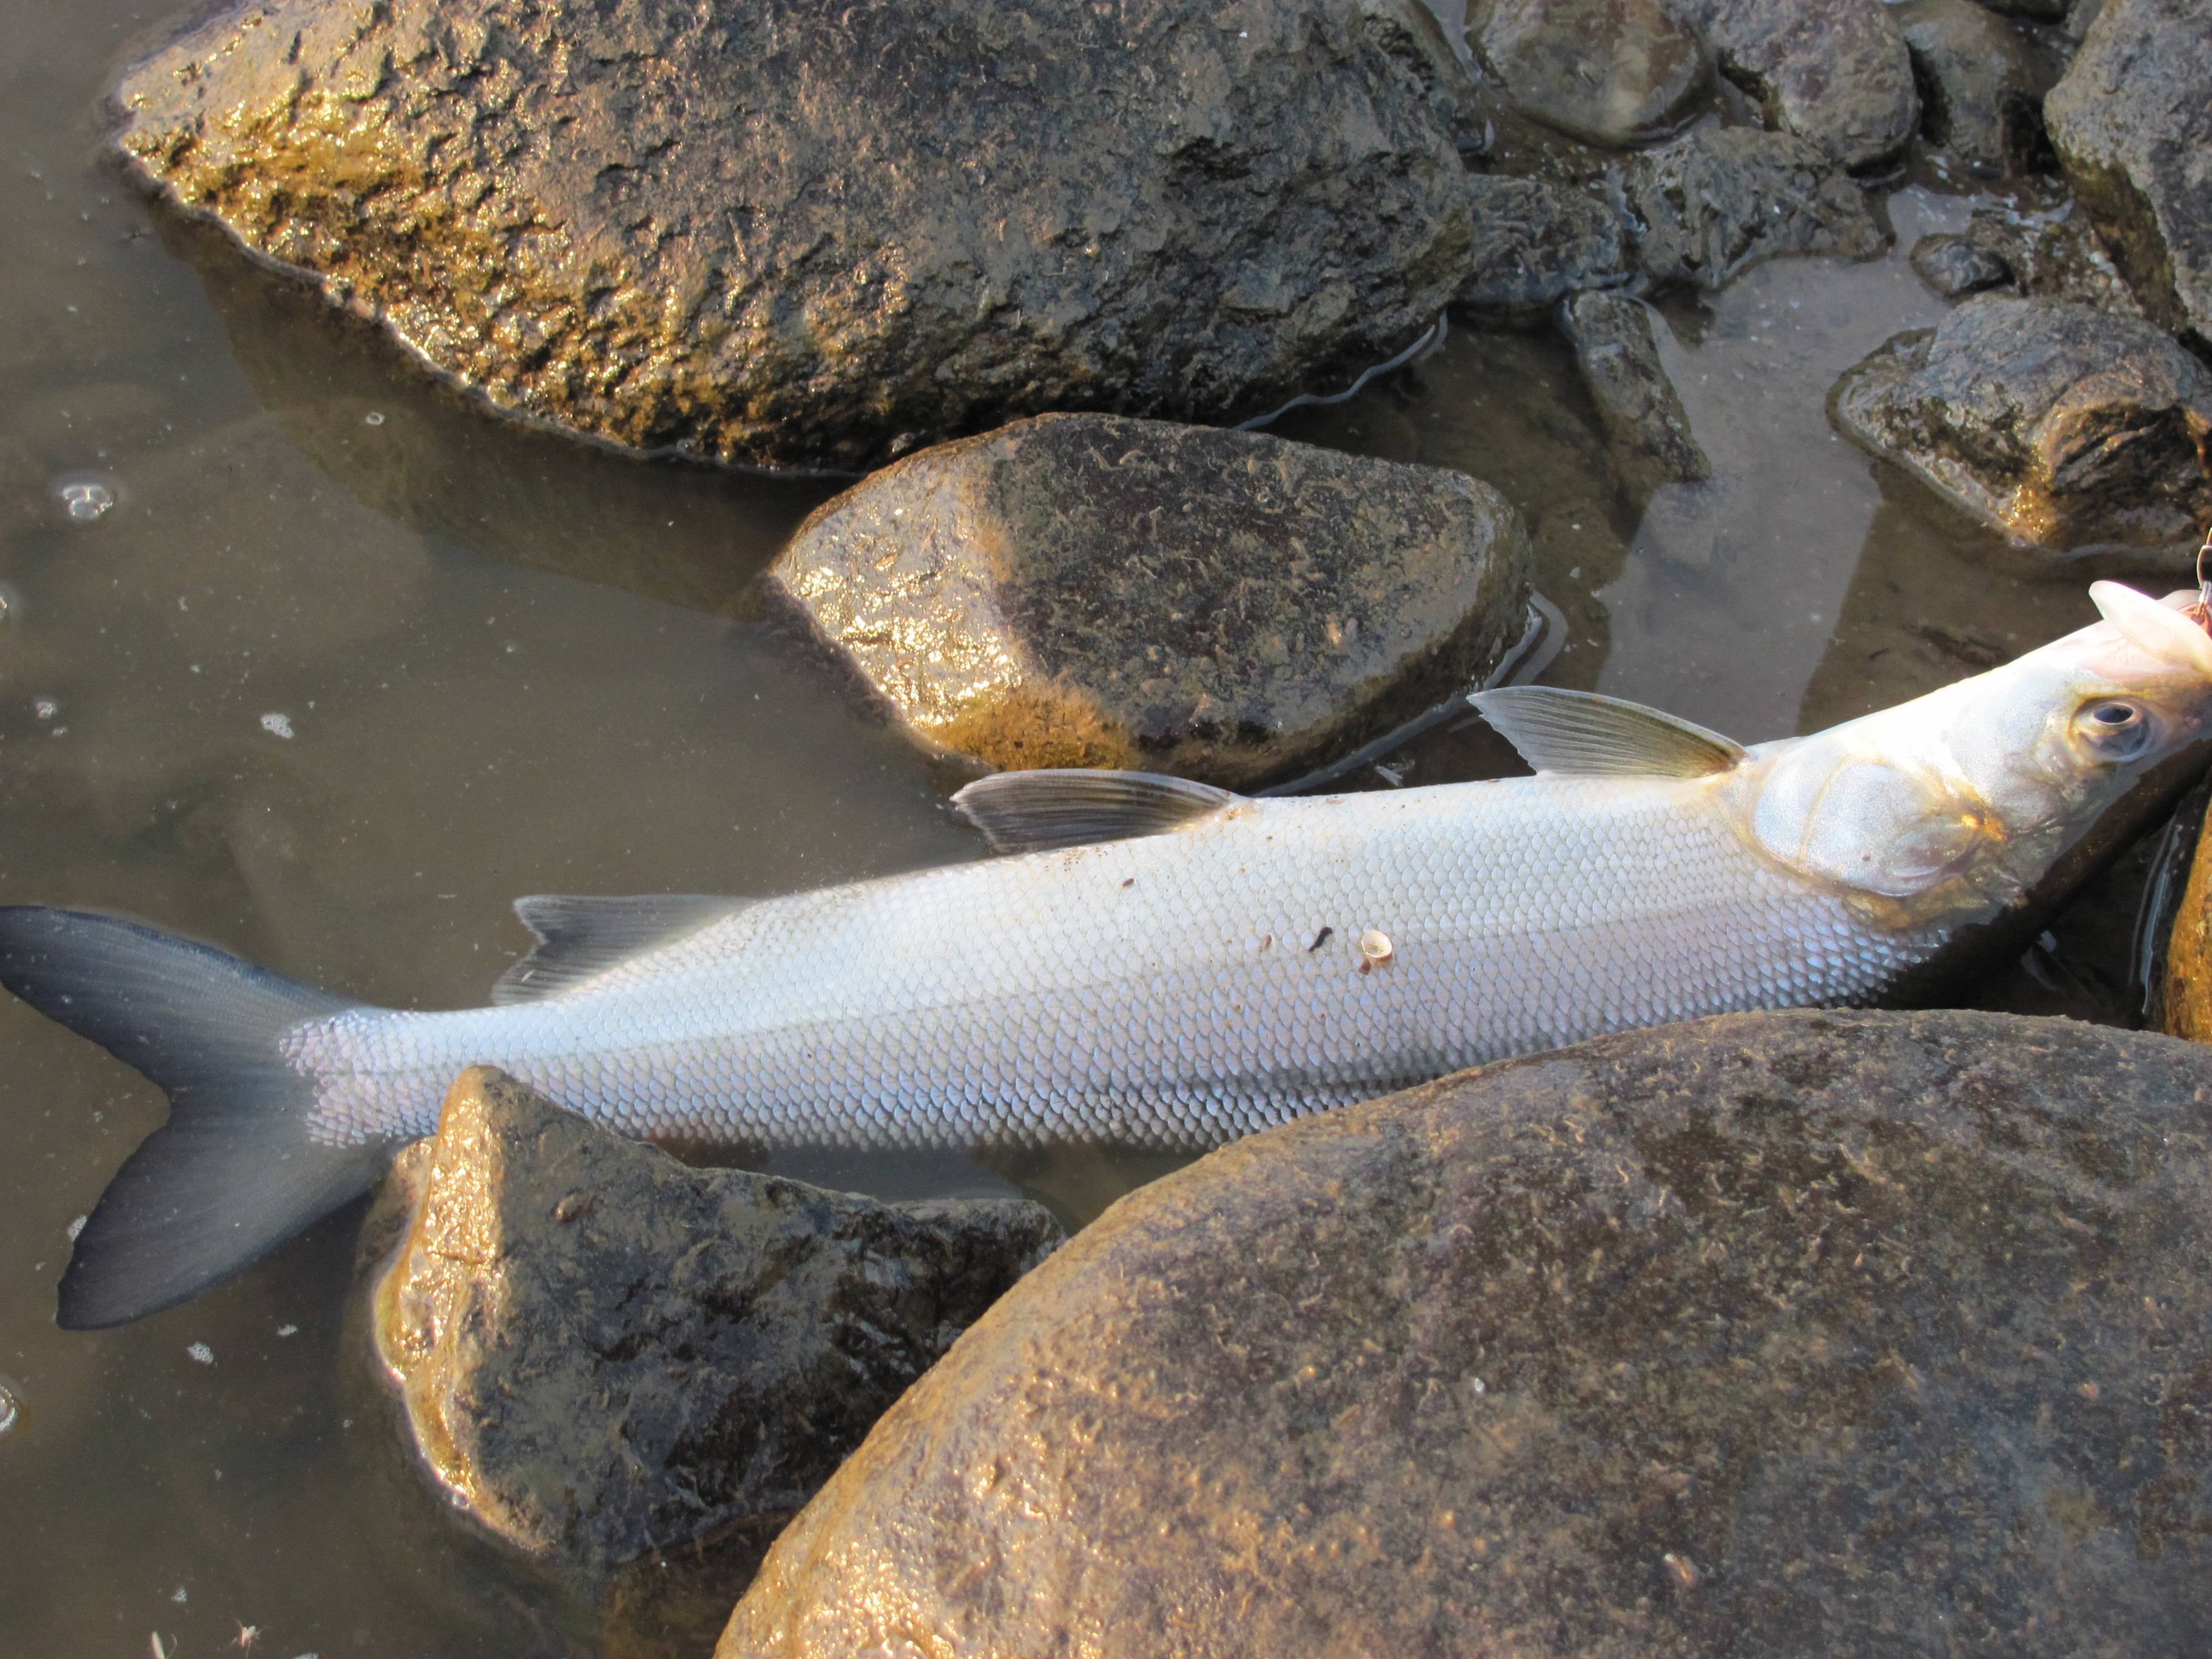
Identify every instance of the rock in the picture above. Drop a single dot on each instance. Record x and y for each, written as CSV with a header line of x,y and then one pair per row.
x,y
1612,72
2180,992
1981,84
2072,430
1619,360
2049,251
1864,1336
2041,11
605,1352
1093,591
1535,242
794,234
1719,200
1834,72
2133,125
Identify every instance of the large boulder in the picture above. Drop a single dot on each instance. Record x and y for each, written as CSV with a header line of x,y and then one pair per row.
x,y
1834,72
1612,72
808,232
1082,590
1719,200
2132,122
2076,432
605,1353
1863,1335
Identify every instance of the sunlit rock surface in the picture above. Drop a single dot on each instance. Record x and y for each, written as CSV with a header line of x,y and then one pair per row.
x,y
2077,431
813,234
2132,122
605,1353
1643,414
1084,589
1863,1335
1982,82
1716,201
1834,72
1612,71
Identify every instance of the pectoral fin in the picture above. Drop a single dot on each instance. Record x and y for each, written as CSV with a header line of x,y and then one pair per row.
x,y
1073,806
1583,733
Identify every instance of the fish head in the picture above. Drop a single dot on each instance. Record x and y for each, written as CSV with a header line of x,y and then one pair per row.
x,y
1997,796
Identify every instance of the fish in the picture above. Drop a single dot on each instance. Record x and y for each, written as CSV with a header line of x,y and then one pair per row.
x,y
1156,962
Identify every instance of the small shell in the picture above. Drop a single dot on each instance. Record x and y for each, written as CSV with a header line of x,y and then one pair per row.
x,y
1374,948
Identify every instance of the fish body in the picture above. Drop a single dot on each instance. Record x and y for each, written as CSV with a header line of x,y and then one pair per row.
x,y
1163,964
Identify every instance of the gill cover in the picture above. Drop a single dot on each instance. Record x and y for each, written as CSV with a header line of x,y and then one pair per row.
x,y
1881,826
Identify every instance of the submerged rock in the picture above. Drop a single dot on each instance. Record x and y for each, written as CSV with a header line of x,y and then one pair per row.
x,y
1643,416
1612,72
1834,72
605,1352
2132,122
2072,430
1982,83
801,234
1082,590
1536,241
1716,201
1856,1334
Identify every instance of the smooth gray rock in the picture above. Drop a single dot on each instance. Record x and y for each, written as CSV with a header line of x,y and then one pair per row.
x,y
815,233
2132,123
1535,242
1085,590
1612,72
1643,416
1718,201
1834,72
607,1353
1982,82
1868,1336
2050,252
2076,432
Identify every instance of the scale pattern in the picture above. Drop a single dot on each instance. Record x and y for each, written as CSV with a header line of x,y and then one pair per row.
x,y
1173,991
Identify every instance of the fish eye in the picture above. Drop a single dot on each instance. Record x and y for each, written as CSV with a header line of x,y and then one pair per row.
x,y
2118,727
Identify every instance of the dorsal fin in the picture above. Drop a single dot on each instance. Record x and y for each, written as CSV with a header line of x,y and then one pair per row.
x,y
578,938
1073,806
1591,735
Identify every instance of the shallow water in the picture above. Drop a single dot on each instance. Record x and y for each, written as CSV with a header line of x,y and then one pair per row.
x,y
343,665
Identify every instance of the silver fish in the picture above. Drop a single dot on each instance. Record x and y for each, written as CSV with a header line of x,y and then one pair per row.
x,y
1162,963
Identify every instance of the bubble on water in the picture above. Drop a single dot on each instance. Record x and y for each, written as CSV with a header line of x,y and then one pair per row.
x,y
375,418
45,708
278,725
201,1355
87,499
11,1412
11,603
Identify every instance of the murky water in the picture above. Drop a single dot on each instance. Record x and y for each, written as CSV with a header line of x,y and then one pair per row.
x,y
303,654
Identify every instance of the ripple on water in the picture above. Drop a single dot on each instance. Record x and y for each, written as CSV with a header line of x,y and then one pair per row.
x,y
11,1412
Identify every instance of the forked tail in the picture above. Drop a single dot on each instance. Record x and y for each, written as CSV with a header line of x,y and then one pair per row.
x,y
235,1172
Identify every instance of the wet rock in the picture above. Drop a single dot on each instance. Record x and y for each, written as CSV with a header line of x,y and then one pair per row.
x,y
1093,591
2041,11
1857,1335
1981,83
606,1352
2048,251
1716,201
2180,992
1612,72
1834,72
2075,431
925,221
1535,242
1619,356
2133,125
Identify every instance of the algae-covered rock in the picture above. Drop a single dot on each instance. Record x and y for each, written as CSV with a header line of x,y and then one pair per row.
x,y
604,1352
808,233
2132,123
1091,591
2075,431
1872,1336
1718,201
1834,72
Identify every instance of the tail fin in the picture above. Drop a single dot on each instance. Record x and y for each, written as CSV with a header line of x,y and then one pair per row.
x,y
234,1174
